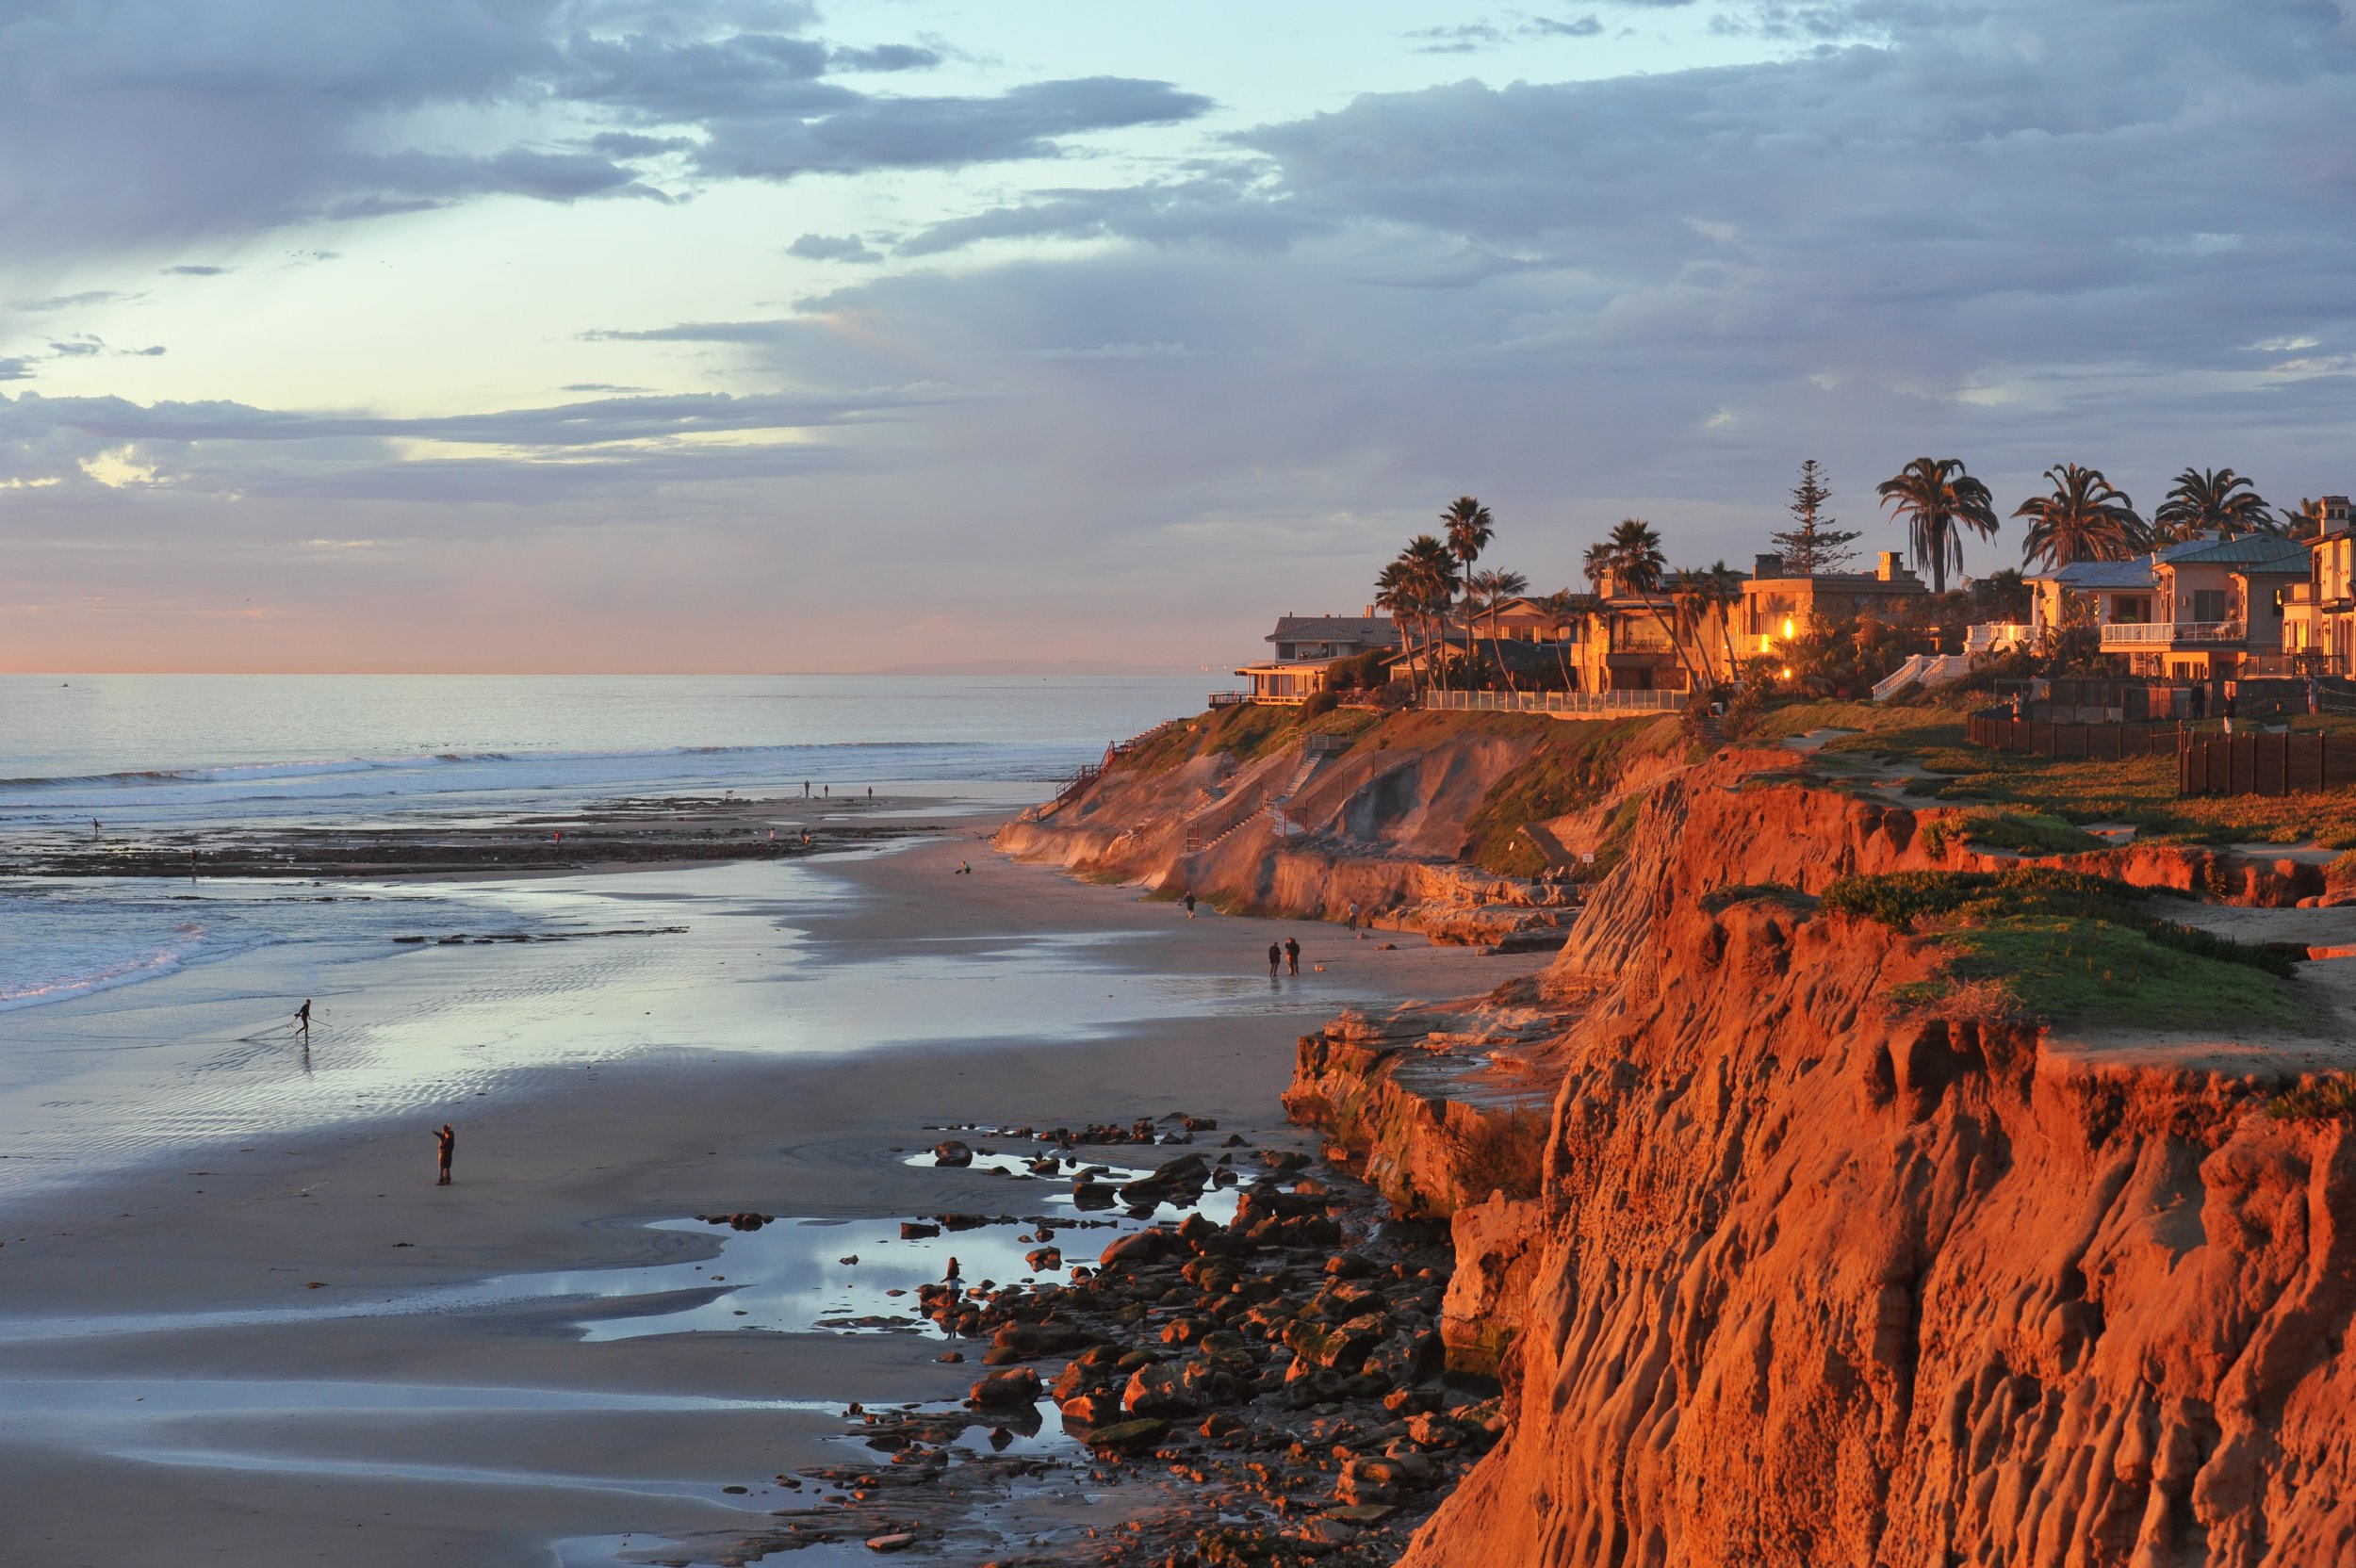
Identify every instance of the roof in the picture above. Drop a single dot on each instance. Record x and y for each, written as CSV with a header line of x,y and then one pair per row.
x,y
1376,631
2088,576
2263,552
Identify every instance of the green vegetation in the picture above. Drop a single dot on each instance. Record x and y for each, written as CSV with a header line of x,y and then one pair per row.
x,y
2009,830
2074,948
1506,1153
1572,769
1758,892
2331,1098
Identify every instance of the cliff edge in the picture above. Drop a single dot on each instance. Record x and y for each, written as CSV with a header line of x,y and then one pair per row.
x,y
1841,1256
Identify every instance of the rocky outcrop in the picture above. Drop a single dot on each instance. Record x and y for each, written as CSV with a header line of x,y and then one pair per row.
x,y
1380,820
1812,1279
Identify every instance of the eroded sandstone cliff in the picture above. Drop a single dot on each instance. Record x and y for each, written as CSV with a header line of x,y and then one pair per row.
x,y
1813,1278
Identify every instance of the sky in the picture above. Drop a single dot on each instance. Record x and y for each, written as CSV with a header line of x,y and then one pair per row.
x,y
747,336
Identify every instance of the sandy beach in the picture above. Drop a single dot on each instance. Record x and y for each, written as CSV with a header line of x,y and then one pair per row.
x,y
277,1347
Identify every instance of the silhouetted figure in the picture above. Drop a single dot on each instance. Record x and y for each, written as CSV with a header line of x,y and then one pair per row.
x,y
302,1018
1292,955
1275,956
804,789
2229,710
445,1143
94,828
950,1278
1191,903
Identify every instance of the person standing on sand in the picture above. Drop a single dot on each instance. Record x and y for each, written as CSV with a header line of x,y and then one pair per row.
x,y
302,1018
804,789
1353,915
1292,954
445,1143
1275,956
1191,903
2229,710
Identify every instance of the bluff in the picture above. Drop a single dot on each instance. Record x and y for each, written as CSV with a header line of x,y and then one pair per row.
x,y
1445,824
1817,1271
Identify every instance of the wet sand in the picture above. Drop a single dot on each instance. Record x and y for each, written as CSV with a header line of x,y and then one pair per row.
x,y
483,1435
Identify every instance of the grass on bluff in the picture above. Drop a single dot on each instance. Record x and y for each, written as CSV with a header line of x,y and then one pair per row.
x,y
2326,1099
2074,948
2138,790
1572,769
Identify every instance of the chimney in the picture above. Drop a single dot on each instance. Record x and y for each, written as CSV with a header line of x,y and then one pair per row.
x,y
1605,586
1369,611
1885,567
2336,514
1767,565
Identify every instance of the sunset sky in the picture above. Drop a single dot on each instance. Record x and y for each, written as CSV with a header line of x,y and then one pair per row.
x,y
563,334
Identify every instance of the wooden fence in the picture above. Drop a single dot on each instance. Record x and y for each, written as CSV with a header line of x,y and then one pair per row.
x,y
2281,764
1998,731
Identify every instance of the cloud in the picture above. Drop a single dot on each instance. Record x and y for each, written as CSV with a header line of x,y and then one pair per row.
x,y
17,368
829,247
192,271
1223,209
1467,37
130,123
71,302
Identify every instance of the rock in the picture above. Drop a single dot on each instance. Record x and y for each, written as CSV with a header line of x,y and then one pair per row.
x,y
1219,1423
1002,1355
1043,1260
1015,1386
962,1221
953,1357
1157,1390
1098,1409
1138,1247
1037,1339
1092,1195
952,1153
1129,1437
900,1541
1348,1265
916,1230
1343,1349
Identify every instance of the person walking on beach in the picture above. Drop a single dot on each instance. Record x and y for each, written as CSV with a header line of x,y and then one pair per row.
x,y
1191,903
1275,956
445,1142
1353,915
804,789
94,828
1292,955
302,1018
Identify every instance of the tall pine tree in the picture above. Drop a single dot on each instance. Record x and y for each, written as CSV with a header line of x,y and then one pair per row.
x,y
1814,546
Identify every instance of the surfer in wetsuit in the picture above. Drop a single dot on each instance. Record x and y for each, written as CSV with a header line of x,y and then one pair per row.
x,y
445,1142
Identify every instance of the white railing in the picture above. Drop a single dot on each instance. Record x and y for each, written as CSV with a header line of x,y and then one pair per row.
x,y
1563,705
1987,637
2145,633
1923,669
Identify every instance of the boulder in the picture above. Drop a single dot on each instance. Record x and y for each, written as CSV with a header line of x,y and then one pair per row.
x,y
1138,1247
1158,1390
952,1153
1043,1260
917,1229
1018,1385
1129,1437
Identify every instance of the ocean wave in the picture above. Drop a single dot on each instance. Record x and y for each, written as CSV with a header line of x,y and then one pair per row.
x,y
238,773
151,964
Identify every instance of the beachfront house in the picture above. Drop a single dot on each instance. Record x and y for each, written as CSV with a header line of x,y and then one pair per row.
x,y
1305,648
2206,609
1777,609
2319,614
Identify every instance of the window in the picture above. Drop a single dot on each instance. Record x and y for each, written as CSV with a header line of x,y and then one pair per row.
x,y
2208,604
2131,609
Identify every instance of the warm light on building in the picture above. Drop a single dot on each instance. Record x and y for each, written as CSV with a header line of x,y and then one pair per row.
x,y
1787,629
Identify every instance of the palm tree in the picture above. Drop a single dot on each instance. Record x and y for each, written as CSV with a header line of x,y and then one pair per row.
x,y
1562,605
1492,588
1932,496
2084,519
1468,528
1417,588
1596,562
1633,555
2304,521
2212,500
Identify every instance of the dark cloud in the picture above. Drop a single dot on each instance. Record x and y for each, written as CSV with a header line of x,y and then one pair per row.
x,y
16,369
1223,209
136,122
197,272
1028,121
832,247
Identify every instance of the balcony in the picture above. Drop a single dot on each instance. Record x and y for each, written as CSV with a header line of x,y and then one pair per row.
x,y
2153,636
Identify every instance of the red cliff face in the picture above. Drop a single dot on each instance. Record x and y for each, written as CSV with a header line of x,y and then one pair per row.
x,y
1813,1281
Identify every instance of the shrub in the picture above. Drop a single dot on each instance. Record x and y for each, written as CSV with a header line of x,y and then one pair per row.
x,y
1506,1153
2328,1098
2023,833
1319,704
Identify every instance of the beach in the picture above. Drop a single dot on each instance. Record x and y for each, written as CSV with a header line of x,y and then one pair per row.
x,y
280,1348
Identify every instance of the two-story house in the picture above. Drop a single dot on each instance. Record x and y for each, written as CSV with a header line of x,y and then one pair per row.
x,y
1307,647
2216,609
2319,614
1777,609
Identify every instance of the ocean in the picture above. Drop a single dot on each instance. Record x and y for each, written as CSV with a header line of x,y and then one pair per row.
x,y
151,753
